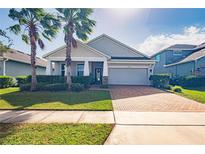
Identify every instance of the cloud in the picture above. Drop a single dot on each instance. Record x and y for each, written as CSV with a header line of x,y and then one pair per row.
x,y
155,43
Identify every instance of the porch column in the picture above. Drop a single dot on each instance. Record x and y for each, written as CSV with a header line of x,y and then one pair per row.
x,y
105,73
86,71
105,68
48,68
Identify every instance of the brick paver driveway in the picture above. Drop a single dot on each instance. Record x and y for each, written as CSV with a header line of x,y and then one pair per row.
x,y
145,99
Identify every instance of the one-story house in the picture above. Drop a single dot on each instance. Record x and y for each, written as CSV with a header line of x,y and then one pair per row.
x,y
15,63
106,59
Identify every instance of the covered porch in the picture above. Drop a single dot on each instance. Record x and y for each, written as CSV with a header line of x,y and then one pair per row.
x,y
96,68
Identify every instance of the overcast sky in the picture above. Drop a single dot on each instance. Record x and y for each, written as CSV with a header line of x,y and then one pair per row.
x,y
148,30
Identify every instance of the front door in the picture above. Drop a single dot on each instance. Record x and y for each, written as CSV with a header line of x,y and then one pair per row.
x,y
98,75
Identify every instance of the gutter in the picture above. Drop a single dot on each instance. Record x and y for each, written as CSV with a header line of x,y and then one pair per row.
x,y
4,66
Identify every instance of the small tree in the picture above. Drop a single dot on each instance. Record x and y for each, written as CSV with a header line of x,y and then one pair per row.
x,y
32,25
75,21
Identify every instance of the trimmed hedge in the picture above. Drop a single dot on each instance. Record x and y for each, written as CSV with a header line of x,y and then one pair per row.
x,y
21,80
77,87
6,81
48,79
52,79
160,80
189,81
52,87
27,86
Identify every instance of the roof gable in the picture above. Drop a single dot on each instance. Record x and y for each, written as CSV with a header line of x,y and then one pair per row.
x,y
113,47
194,56
22,57
82,50
177,47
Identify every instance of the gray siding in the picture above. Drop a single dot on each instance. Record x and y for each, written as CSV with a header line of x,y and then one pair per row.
x,y
16,68
168,57
159,66
181,69
201,64
112,48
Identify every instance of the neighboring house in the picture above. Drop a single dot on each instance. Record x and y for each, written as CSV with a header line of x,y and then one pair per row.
x,y
107,60
180,60
15,63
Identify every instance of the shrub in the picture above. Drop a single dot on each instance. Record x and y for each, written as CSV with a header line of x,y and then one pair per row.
x,y
85,80
50,79
27,86
77,87
21,80
169,87
55,87
104,86
6,81
160,80
178,90
189,81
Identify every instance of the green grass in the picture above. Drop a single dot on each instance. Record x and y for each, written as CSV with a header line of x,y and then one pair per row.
x,y
12,98
61,134
196,93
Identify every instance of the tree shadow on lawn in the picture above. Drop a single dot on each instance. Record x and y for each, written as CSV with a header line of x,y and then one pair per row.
x,y
10,120
22,100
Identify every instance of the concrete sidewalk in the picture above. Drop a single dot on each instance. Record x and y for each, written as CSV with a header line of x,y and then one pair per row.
x,y
158,128
34,116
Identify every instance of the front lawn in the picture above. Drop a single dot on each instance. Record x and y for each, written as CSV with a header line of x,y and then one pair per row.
x,y
12,98
196,93
54,133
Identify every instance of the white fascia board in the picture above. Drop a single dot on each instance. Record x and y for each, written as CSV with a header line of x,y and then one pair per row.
x,y
134,62
80,43
78,59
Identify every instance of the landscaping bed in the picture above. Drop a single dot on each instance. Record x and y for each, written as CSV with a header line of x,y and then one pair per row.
x,y
54,134
12,98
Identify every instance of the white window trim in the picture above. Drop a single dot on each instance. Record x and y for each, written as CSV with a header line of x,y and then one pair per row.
x,y
76,70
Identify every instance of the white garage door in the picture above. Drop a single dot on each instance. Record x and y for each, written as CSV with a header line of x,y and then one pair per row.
x,y
128,76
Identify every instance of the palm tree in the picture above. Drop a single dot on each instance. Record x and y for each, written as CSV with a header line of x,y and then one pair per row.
x,y
75,21
32,25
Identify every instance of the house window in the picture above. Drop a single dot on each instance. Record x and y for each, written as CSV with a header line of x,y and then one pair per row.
x,y
177,53
80,69
62,69
157,58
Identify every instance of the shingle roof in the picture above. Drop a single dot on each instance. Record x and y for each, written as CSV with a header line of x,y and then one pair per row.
x,y
177,47
182,46
194,56
19,56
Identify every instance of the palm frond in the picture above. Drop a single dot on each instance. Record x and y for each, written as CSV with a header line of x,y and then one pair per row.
x,y
25,38
41,44
16,29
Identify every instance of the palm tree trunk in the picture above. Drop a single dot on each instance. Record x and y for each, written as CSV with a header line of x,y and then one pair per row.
x,y
33,64
68,63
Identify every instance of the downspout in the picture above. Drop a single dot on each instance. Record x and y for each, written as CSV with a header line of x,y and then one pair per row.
x,y
4,66
195,67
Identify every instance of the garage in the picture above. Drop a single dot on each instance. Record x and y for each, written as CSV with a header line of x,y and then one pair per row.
x,y
128,76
